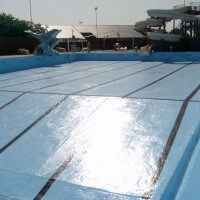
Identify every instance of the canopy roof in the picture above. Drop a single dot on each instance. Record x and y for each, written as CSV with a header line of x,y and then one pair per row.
x,y
104,31
66,32
110,31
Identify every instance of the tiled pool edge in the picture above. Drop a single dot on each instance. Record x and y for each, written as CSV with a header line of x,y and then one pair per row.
x,y
27,62
137,56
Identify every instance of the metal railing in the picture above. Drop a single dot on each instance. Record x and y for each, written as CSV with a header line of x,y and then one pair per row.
x,y
191,4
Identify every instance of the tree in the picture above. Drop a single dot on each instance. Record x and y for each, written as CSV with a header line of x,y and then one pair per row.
x,y
14,27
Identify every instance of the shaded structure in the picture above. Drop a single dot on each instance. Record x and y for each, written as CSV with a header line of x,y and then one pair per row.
x,y
70,38
107,36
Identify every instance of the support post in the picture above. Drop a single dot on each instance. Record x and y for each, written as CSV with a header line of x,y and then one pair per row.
x,y
104,43
133,43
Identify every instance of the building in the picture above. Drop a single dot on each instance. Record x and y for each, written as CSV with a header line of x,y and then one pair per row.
x,y
101,37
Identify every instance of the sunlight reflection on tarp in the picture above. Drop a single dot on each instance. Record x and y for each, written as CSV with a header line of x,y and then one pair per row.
x,y
116,147
108,159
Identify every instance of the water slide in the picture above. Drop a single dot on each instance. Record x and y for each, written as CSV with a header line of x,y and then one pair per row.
x,y
142,25
160,15
171,14
164,36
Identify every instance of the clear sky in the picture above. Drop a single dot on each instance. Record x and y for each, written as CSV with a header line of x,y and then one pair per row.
x,y
68,12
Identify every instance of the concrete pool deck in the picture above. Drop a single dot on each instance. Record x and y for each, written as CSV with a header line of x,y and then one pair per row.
x,y
101,130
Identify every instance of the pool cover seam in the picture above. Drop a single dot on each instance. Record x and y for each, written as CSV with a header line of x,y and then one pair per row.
x,y
10,102
122,77
32,92
31,125
16,77
55,84
125,96
81,124
84,77
140,98
60,170
162,99
172,136
47,71
52,179
85,95
49,183
44,78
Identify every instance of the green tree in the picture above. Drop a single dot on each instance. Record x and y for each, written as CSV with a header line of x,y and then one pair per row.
x,y
14,27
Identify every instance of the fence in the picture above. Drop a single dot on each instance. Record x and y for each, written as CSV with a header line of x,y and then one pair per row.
x,y
10,45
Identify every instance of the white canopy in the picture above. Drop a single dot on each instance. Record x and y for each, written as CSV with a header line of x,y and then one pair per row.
x,y
66,32
104,31
110,31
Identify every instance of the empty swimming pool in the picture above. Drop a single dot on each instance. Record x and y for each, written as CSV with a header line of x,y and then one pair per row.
x,y
101,130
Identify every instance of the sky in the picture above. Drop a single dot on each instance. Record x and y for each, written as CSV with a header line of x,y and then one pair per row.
x,y
71,12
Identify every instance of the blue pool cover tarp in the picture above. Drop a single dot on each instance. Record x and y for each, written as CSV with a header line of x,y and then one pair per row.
x,y
101,130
